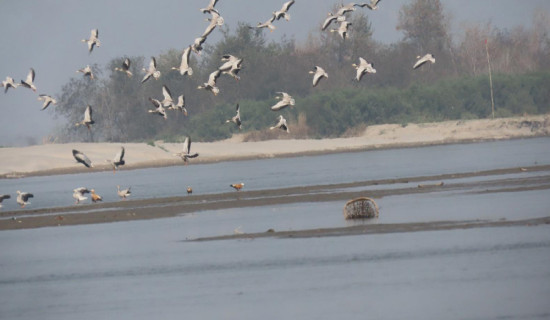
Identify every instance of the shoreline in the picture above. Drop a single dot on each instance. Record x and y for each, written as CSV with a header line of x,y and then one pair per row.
x,y
56,159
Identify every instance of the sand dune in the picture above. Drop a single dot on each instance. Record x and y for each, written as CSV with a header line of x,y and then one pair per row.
x,y
57,158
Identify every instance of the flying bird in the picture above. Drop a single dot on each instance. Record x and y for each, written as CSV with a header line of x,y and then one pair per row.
x,y
349,8
211,84
184,67
236,119
78,194
87,71
237,186
363,68
82,158
88,121
167,101
29,82
342,29
197,44
4,197
118,160
47,100
210,7
23,198
186,153
93,40
151,71
215,20
283,13
123,193
318,74
286,100
268,24
180,105
9,83
281,124
95,197
232,66
422,60
159,109
331,18
125,67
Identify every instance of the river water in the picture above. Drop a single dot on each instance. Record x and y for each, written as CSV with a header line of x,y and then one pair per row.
x,y
148,269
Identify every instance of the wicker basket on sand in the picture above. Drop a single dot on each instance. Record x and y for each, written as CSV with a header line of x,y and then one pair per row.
x,y
361,208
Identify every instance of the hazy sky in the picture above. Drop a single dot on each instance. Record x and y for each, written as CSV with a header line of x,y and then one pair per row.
x,y
46,34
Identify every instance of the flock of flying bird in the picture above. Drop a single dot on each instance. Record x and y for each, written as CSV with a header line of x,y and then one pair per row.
x,y
231,66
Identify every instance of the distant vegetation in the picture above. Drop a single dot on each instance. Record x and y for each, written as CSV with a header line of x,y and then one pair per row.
x,y
455,87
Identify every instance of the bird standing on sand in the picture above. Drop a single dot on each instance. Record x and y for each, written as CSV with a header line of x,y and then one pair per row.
x,y
151,71
422,60
118,160
95,197
286,100
186,153
87,71
88,121
125,68
184,67
82,158
9,83
362,68
281,124
4,197
23,198
189,190
78,194
318,74
236,119
123,193
159,109
47,100
237,186
29,82
93,40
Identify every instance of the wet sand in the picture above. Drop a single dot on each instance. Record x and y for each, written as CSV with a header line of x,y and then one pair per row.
x,y
193,204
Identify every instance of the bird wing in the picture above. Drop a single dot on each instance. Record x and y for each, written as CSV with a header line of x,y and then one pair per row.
x,y
126,64
4,196
25,196
155,102
328,21
88,114
287,5
186,145
119,156
420,62
30,76
153,64
213,77
185,57
238,109
81,157
166,93
94,33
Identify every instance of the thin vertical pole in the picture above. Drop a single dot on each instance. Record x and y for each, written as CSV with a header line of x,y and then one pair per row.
x,y
490,79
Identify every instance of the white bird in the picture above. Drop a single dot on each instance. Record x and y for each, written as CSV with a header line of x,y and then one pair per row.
x,y
373,5
342,29
87,71
118,160
78,194
23,198
210,7
123,193
4,197
9,83
318,74
88,121
93,40
332,17
47,100
82,158
29,82
159,109
167,101
125,67
283,13
349,8
281,124
151,71
236,119
184,67
362,68
197,44
215,20
180,105
211,84
286,100
186,153
422,60
268,24
232,66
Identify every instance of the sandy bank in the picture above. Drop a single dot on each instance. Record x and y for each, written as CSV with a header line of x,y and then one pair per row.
x,y
57,158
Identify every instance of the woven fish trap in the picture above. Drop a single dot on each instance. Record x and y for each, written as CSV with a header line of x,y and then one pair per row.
x,y
361,208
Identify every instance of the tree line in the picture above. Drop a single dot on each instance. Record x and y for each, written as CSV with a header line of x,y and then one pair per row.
x,y
455,87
